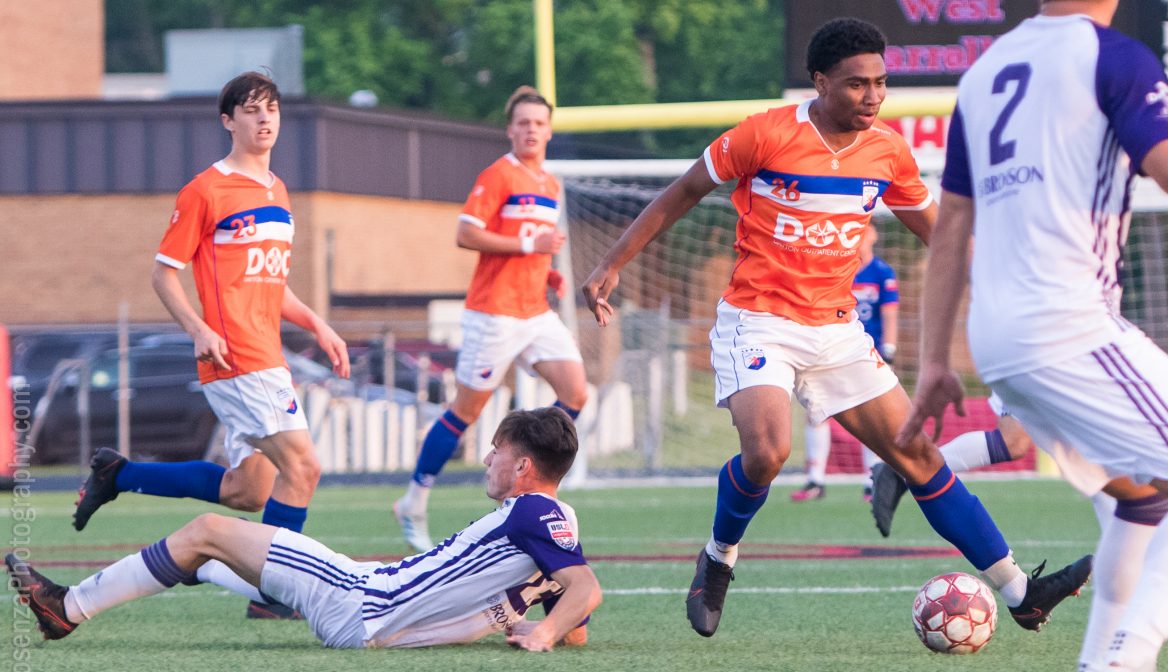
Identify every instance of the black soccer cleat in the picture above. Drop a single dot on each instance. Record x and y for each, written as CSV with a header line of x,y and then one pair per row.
x,y
45,598
273,611
1043,593
101,487
707,593
887,490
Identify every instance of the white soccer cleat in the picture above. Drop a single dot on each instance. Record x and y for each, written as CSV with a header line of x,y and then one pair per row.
x,y
414,527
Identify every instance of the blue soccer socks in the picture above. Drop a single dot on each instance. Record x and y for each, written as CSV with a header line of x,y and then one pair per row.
x,y
960,518
738,500
573,413
199,480
441,442
280,514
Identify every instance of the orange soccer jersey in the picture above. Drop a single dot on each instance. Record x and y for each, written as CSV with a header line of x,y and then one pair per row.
x,y
512,200
802,208
238,232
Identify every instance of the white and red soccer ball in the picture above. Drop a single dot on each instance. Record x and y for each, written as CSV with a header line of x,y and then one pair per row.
x,y
955,613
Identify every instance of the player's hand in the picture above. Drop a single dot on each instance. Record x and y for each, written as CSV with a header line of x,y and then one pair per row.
x,y
937,387
549,242
529,636
210,347
335,348
555,281
597,288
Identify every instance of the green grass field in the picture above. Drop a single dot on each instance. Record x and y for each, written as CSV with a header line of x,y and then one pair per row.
x,y
810,612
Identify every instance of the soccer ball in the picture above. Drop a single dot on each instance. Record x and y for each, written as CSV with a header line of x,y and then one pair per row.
x,y
955,613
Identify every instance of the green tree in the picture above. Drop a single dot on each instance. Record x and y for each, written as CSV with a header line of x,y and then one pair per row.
x,y
462,58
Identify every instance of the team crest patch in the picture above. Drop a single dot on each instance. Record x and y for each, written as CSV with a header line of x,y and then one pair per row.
x,y
753,358
870,190
562,534
287,396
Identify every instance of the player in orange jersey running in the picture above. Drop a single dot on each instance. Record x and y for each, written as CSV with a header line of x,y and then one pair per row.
x,y
233,223
808,178
510,219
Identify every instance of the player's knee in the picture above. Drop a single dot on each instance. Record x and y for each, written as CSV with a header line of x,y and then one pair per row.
x,y
303,471
762,466
202,530
1019,448
468,409
917,462
245,500
575,399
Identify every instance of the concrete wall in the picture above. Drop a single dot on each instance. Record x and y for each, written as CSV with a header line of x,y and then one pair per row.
x,y
51,49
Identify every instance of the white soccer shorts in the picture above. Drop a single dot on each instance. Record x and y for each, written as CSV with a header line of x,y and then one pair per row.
x,y
310,577
1105,411
490,343
253,406
829,368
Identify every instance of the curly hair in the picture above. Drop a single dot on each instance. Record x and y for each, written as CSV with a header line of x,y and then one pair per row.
x,y
839,39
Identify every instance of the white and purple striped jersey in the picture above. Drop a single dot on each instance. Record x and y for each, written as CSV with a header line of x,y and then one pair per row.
x,y
478,581
1051,125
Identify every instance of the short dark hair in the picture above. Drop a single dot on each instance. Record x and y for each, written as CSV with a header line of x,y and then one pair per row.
x,y
546,435
839,39
248,86
525,94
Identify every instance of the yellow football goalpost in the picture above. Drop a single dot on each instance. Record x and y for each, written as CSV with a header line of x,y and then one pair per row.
x,y
598,118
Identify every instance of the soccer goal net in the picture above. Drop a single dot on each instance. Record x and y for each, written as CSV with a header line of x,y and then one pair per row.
x,y
657,349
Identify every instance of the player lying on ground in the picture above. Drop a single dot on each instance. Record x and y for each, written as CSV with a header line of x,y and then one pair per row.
x,y
481,580
808,177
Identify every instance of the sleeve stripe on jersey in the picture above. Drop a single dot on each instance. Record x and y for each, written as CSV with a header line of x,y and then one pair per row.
x,y
173,263
710,167
920,206
472,220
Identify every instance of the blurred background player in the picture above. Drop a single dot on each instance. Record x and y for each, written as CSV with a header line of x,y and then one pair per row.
x,y
1079,109
971,450
448,595
510,220
233,223
877,307
786,324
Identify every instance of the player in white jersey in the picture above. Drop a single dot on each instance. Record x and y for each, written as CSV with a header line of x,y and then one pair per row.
x,y
479,581
1052,124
